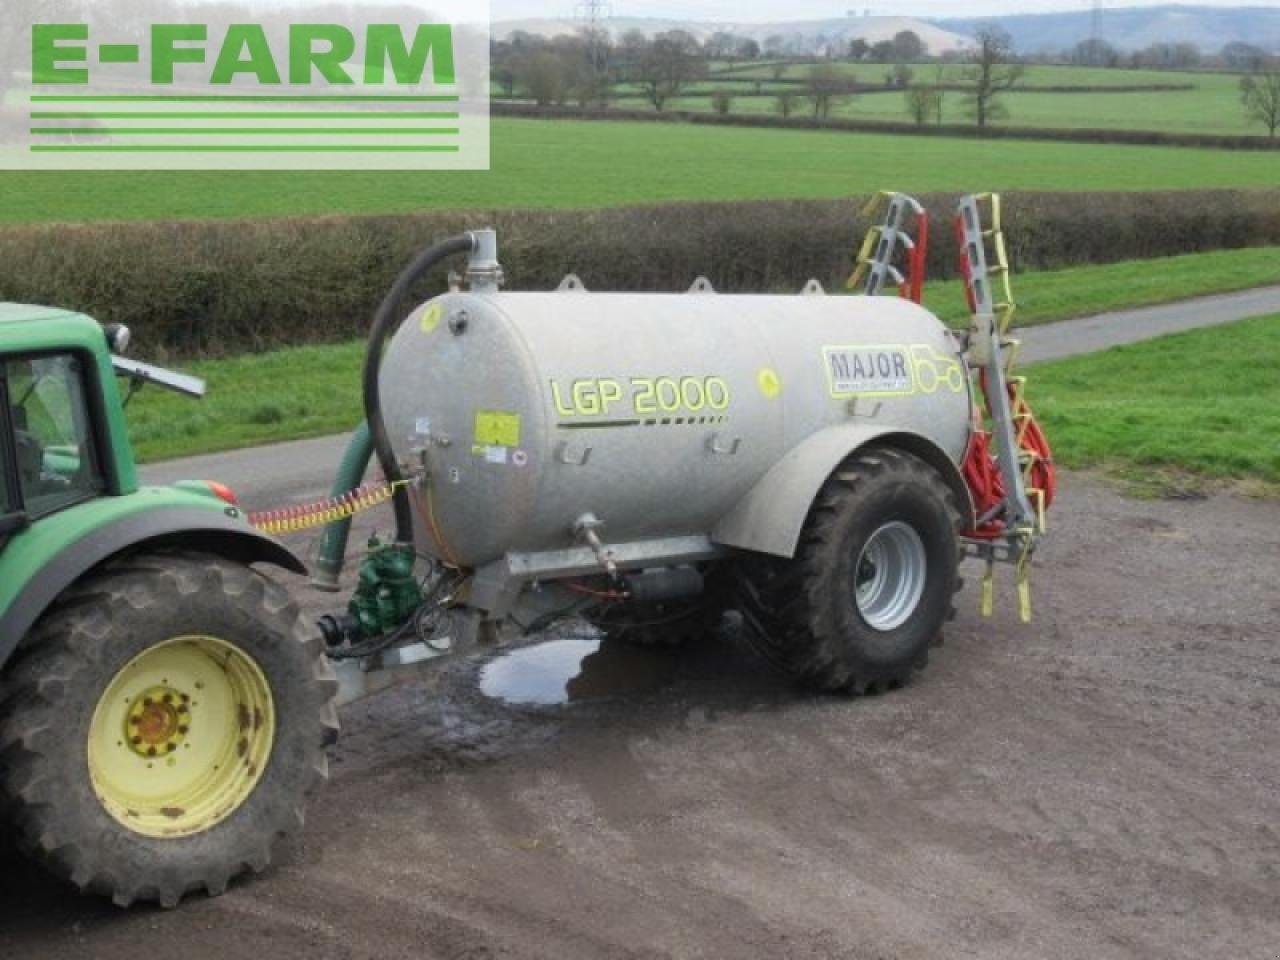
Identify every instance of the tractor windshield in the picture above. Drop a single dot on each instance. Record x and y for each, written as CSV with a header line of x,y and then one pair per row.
x,y
52,439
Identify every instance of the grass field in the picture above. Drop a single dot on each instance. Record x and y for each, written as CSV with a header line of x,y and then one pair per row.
x,y
1198,111
1171,413
1212,107
566,164
312,391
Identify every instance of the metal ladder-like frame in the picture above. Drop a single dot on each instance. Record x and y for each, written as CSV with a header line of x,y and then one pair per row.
x,y
994,351
874,263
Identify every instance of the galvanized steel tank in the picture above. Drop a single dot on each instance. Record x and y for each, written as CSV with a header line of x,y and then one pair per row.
x,y
655,412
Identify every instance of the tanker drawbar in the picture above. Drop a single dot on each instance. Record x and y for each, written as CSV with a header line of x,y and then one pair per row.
x,y
646,462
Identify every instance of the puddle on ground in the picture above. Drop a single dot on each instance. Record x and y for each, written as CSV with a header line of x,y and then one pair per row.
x,y
573,669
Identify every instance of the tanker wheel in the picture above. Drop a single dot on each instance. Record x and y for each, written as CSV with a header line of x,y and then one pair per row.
x,y
163,727
871,582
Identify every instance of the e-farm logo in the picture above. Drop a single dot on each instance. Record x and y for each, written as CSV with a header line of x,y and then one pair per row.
x,y
284,93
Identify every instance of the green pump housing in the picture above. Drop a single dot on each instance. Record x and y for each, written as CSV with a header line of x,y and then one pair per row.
x,y
387,590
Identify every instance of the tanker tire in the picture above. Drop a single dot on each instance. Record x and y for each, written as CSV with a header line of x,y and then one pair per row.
x,y
801,614
67,663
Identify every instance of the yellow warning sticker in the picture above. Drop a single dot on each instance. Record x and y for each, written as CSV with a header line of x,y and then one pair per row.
x,y
496,428
770,383
431,318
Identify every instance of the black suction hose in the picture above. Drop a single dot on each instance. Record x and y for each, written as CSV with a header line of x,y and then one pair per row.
x,y
384,324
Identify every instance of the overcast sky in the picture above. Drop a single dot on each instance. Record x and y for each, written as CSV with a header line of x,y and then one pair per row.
x,y
816,9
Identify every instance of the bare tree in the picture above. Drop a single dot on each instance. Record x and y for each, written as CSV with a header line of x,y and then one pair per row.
x,y
825,86
671,61
991,72
1260,94
908,46
720,45
1243,56
1095,52
544,76
786,104
924,103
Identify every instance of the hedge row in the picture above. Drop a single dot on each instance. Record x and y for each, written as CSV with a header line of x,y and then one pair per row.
x,y
861,88
214,287
1061,134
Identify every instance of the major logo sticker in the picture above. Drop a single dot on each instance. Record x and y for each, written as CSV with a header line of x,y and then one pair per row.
x,y
890,370
858,371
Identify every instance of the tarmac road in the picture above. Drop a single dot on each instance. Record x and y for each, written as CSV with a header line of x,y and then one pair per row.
x,y
298,472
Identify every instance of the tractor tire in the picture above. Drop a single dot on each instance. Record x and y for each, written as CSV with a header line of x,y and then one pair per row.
x,y
162,727
871,583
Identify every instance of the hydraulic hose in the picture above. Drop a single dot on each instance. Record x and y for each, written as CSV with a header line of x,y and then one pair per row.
x,y
333,544
385,322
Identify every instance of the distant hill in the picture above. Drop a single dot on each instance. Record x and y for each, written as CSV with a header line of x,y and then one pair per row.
x,y
799,36
1132,28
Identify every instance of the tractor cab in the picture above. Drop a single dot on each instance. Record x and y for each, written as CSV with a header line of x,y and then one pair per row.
x,y
56,442
62,433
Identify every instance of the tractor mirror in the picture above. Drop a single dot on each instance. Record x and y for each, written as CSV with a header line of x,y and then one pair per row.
x,y
140,374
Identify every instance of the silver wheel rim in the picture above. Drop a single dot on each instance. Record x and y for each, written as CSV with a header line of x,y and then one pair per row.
x,y
890,575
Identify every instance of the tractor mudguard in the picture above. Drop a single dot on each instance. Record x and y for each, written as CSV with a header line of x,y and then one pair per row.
x,y
219,531
770,518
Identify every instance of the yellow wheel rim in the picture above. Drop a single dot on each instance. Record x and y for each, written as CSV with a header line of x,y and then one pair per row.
x,y
181,737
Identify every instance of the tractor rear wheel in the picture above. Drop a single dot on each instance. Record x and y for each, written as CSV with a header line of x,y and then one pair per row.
x,y
163,726
871,582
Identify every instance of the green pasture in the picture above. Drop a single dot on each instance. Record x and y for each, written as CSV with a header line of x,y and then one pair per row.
x,y
1212,107
575,164
1172,415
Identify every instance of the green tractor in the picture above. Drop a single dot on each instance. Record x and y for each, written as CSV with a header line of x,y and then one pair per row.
x,y
163,711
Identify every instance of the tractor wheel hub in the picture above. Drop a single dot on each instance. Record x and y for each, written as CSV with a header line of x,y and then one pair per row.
x,y
158,722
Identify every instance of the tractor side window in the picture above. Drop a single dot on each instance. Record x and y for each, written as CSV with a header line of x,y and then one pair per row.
x,y
53,439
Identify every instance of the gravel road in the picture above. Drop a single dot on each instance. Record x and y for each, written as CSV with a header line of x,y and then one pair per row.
x,y
1102,783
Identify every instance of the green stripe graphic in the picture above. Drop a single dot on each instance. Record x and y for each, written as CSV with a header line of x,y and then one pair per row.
x,y
243,148
46,98
244,115
248,131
